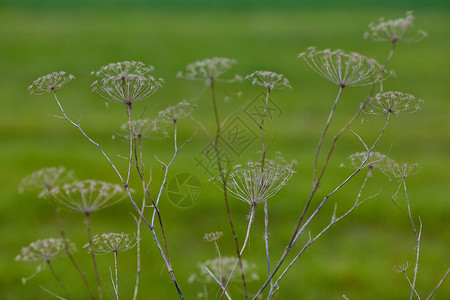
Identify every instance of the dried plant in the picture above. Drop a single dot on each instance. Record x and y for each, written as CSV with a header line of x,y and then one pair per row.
x,y
50,82
344,69
393,103
269,80
394,30
254,182
125,82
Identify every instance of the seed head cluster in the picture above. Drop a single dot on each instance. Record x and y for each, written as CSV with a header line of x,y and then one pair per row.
x,y
111,243
176,112
212,236
344,69
125,82
49,82
45,179
269,80
393,103
253,183
222,268
87,196
144,128
374,160
394,30
44,250
209,69
400,170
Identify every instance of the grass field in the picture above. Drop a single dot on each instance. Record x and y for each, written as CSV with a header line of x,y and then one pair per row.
x,y
354,258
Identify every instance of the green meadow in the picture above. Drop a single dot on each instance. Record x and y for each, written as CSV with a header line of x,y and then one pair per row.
x,y
355,257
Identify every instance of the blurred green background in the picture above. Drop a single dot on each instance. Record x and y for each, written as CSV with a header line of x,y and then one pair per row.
x,y
354,258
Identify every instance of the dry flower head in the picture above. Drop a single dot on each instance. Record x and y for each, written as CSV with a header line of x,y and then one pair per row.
x,y
344,69
87,196
209,69
49,82
44,250
394,30
269,80
393,103
111,243
45,180
125,82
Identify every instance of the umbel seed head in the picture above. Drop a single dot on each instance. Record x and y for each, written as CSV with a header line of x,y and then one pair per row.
x,y
125,82
393,103
394,30
44,250
269,80
87,196
209,69
344,69
50,82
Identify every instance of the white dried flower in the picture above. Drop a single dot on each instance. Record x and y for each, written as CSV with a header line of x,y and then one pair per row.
x,y
208,70
87,196
111,243
144,128
269,80
176,112
44,250
125,82
400,170
394,30
393,103
45,179
212,236
253,184
222,268
374,160
49,82
344,69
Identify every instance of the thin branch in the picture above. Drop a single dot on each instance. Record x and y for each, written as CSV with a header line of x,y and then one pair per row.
x,y
439,284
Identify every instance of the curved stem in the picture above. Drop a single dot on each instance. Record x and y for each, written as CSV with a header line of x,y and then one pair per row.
x,y
301,229
66,245
247,235
58,279
319,146
223,179
127,189
91,250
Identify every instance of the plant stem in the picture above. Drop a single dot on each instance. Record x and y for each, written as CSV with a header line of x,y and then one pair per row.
x,y
127,189
66,246
301,229
319,146
58,279
117,279
247,235
223,177
91,249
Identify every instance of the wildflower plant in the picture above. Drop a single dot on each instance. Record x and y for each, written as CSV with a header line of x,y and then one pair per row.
x,y
49,83
87,196
43,250
254,182
394,30
209,70
45,179
269,80
125,82
344,69
144,128
393,103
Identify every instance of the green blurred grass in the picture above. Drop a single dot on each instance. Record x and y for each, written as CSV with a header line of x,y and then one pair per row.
x,y
355,258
